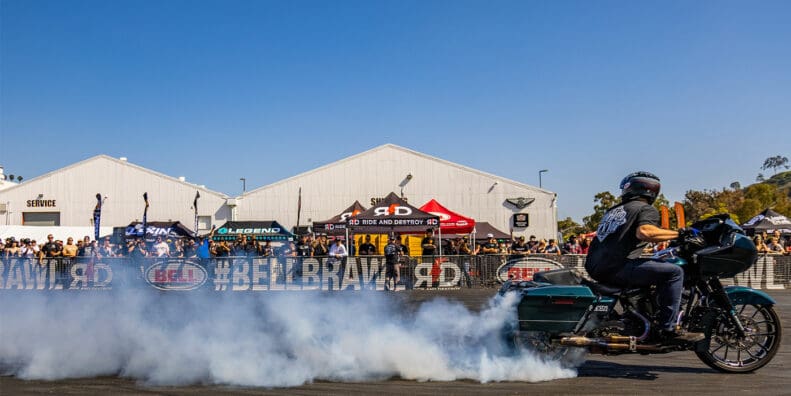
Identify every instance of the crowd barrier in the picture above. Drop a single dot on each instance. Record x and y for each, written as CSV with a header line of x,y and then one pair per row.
x,y
240,274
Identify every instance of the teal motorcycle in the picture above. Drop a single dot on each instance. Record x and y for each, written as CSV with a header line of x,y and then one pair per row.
x,y
559,311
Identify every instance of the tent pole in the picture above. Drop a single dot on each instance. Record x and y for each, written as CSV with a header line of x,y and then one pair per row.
x,y
440,241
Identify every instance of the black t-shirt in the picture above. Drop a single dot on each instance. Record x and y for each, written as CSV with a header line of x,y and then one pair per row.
x,y
391,253
428,250
519,248
616,238
367,249
50,249
303,249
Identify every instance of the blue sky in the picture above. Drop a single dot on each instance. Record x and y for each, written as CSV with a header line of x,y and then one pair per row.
x,y
697,92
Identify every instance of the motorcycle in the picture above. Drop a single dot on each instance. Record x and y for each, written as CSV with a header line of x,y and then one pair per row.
x,y
559,310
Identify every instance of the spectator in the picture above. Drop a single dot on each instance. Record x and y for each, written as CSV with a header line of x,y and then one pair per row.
x,y
552,248
519,248
403,247
774,247
190,250
303,247
465,252
107,249
541,247
532,244
267,250
320,249
51,248
70,249
585,244
452,247
428,245
160,248
338,250
12,249
491,246
367,248
28,250
779,238
760,245
392,254
137,250
573,246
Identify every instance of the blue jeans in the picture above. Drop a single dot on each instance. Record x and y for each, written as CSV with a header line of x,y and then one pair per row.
x,y
669,281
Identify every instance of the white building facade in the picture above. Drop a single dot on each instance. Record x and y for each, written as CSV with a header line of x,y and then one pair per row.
x,y
415,176
66,197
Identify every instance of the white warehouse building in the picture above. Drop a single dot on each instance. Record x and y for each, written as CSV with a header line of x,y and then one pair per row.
x,y
66,196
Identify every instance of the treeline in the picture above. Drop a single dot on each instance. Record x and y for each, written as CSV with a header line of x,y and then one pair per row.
x,y
741,203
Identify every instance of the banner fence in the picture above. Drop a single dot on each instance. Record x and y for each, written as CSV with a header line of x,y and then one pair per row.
x,y
240,274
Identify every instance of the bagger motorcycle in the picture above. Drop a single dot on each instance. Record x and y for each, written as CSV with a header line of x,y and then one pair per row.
x,y
559,311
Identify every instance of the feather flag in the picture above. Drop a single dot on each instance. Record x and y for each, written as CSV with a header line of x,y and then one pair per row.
x,y
195,206
299,205
97,216
145,215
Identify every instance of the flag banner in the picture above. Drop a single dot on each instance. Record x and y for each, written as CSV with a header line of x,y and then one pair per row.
x,y
97,216
145,215
299,205
195,207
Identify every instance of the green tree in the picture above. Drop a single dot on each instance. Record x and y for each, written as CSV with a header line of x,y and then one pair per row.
x,y
569,227
603,201
775,162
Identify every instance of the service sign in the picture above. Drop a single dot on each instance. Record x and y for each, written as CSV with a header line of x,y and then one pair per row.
x,y
523,269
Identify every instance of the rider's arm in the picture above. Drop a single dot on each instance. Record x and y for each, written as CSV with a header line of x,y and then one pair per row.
x,y
652,233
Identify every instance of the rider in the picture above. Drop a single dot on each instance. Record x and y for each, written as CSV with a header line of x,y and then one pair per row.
x,y
614,255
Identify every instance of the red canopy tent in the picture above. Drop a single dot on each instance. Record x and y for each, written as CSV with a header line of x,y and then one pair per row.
x,y
449,221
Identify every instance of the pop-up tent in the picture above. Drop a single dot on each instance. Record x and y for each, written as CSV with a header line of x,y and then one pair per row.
x,y
337,224
449,222
258,230
164,229
768,221
393,215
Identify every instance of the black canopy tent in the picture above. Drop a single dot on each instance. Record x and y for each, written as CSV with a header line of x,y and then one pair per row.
x,y
165,229
768,221
337,224
259,230
393,215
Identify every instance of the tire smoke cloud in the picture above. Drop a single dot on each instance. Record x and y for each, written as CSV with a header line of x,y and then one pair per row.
x,y
261,339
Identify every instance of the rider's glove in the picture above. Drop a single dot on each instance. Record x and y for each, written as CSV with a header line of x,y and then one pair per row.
x,y
690,237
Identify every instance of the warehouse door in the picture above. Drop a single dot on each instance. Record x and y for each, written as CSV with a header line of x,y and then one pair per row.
x,y
41,218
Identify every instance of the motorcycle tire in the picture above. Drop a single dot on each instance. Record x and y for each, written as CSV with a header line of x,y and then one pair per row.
x,y
730,354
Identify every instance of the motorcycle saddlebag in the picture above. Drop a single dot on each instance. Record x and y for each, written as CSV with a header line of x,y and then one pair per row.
x,y
553,308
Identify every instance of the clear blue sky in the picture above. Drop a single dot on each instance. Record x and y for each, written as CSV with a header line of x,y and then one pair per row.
x,y
698,92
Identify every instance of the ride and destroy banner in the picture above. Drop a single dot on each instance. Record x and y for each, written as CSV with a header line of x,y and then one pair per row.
x,y
280,274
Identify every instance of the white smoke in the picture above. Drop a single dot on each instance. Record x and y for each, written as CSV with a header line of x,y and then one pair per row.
x,y
267,339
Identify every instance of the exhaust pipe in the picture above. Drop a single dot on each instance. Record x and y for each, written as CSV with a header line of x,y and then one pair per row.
x,y
609,343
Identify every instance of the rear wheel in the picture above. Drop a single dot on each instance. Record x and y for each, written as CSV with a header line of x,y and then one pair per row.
x,y
733,354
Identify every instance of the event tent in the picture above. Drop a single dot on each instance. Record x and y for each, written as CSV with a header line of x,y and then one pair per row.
x,y
259,230
449,222
768,221
393,215
165,229
337,224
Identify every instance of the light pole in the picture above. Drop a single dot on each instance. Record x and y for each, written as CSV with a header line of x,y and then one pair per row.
x,y
244,184
539,176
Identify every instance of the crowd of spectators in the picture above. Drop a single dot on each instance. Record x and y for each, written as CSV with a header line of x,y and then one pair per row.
x,y
317,246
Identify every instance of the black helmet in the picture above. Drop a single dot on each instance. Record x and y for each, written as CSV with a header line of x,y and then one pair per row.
x,y
640,184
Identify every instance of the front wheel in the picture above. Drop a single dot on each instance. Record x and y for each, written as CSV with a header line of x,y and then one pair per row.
x,y
730,353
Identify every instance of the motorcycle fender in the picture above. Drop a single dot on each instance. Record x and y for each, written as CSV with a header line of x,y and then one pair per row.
x,y
745,295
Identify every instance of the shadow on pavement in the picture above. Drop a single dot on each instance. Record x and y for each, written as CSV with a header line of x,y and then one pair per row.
x,y
593,368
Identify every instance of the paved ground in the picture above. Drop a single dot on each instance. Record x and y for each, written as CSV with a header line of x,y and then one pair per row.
x,y
680,373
